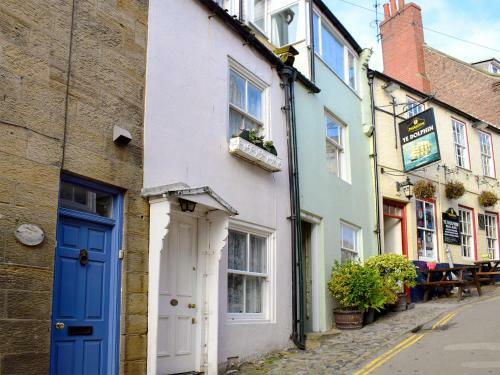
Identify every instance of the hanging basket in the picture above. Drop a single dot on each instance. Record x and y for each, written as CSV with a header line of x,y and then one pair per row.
x,y
488,199
424,189
454,189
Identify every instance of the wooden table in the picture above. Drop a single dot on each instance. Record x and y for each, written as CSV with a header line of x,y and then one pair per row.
x,y
451,277
488,269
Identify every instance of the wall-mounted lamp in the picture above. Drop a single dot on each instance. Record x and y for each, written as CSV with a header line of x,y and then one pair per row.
x,y
479,125
187,205
406,186
390,87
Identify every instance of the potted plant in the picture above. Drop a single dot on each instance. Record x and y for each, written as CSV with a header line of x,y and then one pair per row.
x,y
488,199
454,189
397,272
424,189
253,137
269,147
355,288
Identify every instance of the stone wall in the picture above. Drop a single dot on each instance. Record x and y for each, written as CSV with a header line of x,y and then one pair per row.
x,y
106,88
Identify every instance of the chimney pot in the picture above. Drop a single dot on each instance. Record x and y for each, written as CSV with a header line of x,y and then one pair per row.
x,y
387,12
401,4
394,9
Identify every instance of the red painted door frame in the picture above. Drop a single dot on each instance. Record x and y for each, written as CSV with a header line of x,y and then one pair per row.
x,y
404,234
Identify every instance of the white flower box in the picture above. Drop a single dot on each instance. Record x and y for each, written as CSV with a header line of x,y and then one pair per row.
x,y
254,154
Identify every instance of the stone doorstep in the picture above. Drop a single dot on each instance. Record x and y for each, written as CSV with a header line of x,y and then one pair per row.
x,y
315,339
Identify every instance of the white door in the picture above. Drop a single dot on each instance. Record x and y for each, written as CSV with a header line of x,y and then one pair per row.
x,y
177,318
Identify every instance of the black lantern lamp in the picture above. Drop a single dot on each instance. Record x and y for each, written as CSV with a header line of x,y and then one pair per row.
x,y
186,205
406,186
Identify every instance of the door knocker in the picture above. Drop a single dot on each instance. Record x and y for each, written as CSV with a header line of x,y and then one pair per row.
x,y
84,257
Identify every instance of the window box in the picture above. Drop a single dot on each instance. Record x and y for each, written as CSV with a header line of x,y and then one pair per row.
x,y
254,154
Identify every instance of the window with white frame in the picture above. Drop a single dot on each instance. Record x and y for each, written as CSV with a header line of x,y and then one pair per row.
x,y
245,104
466,232
426,230
486,154
413,106
284,26
247,273
335,146
335,53
257,10
230,5
460,144
349,242
491,227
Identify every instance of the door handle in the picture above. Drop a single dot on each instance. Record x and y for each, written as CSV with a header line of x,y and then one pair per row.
x,y
59,325
83,257
191,305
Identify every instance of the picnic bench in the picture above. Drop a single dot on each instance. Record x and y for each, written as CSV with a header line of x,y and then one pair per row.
x,y
488,269
445,278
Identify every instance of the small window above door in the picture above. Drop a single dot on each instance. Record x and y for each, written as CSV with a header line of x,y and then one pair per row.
x,y
80,198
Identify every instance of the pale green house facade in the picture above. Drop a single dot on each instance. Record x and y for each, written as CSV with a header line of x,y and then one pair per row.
x,y
334,146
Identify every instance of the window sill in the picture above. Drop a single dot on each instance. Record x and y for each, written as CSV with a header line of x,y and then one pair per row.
x,y
231,320
254,154
464,169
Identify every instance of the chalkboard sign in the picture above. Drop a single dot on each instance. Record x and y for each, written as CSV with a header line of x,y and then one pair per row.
x,y
451,227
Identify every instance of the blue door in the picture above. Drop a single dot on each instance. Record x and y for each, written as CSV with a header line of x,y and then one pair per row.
x,y
83,307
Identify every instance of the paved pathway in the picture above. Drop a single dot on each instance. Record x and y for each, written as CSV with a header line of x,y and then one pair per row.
x,y
346,352
467,343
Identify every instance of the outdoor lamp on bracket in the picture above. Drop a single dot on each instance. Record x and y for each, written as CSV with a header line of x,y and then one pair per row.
x,y
391,87
186,205
406,186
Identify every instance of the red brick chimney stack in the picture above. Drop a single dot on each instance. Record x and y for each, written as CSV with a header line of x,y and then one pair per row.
x,y
402,44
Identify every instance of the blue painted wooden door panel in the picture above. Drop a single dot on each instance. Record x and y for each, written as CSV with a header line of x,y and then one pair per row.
x,y
81,298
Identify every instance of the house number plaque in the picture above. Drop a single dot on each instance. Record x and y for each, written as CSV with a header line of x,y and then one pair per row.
x,y
29,234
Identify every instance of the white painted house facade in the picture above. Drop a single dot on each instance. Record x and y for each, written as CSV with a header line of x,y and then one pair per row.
x,y
219,276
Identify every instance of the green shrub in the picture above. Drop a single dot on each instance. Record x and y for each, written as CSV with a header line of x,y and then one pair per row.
x,y
396,271
356,287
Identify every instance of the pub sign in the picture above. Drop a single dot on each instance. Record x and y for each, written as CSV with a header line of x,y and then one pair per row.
x,y
419,140
451,227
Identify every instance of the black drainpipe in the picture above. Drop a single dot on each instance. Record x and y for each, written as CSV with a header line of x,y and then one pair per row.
x,y
288,76
375,162
312,46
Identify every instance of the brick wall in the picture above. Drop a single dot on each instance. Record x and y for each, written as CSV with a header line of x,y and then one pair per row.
x,y
408,59
463,86
106,87
402,39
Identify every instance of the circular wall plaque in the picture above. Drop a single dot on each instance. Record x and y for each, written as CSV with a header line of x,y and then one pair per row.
x,y
29,234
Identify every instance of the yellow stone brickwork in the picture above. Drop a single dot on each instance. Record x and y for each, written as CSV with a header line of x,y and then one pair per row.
x,y
102,43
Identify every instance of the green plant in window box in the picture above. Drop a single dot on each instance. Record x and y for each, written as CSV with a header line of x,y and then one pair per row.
x,y
454,189
488,199
396,271
355,289
253,137
424,189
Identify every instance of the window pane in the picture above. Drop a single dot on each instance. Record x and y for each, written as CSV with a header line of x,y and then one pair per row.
x,y
333,130
316,33
284,26
254,101
250,124
429,216
332,158
346,256
235,123
259,10
348,238
257,254
420,214
237,90
352,71
420,243
254,294
235,296
332,52
237,251
83,199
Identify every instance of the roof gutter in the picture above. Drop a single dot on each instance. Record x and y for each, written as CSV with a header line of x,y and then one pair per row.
x,y
249,37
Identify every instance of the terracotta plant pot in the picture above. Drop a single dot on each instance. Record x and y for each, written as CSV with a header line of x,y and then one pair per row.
x,y
348,319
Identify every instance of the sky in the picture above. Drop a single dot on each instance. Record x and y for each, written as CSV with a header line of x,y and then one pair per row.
x,y
477,21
